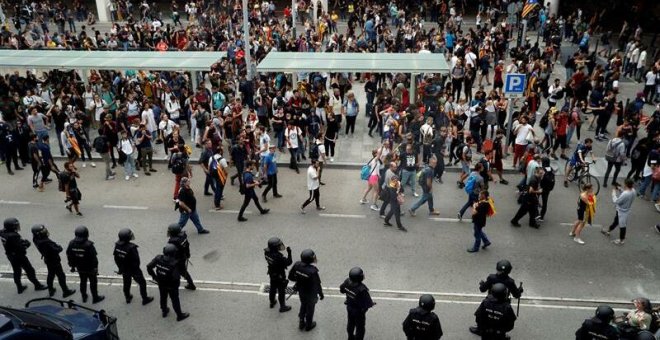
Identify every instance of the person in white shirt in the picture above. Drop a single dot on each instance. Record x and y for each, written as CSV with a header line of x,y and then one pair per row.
x,y
555,92
126,146
521,131
291,134
650,84
641,65
313,184
470,58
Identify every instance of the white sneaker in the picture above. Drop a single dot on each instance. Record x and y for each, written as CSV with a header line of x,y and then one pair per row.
x,y
618,241
578,240
135,175
93,165
374,207
415,194
84,165
332,159
657,207
127,178
109,178
363,201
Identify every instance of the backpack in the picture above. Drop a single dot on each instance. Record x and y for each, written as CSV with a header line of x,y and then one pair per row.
x,y
365,172
543,123
459,151
201,118
62,180
471,182
421,177
314,152
548,180
178,165
100,144
612,151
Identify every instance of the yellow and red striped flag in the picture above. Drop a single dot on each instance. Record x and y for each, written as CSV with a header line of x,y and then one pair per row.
x,y
530,5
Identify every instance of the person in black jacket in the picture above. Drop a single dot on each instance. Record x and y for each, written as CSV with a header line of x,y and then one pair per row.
x,y
164,269
599,326
50,252
358,301
277,265
308,283
81,255
179,239
422,323
495,317
127,259
503,268
15,249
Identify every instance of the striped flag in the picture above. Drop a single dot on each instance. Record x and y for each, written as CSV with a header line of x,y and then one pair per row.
x,y
530,5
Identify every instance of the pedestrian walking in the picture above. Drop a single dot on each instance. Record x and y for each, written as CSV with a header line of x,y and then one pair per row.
x,y
615,155
395,199
127,260
308,284
277,265
422,322
127,153
144,143
358,301
102,147
623,199
81,256
16,251
547,185
249,182
179,239
481,210
204,158
473,186
270,169
373,179
70,185
187,204
168,278
586,212
50,252
293,137
425,181
217,167
529,202
313,187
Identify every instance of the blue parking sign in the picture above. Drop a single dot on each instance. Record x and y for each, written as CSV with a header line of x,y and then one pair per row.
x,y
514,84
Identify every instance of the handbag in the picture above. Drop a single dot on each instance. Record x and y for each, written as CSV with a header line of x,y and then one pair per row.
x,y
656,174
400,199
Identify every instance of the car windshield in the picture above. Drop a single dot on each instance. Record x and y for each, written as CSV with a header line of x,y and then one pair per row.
x,y
35,320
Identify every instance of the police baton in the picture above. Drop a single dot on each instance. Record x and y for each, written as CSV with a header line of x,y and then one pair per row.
x,y
518,309
293,291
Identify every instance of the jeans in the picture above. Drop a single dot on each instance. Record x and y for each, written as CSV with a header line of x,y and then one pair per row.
x,y
129,165
426,197
479,235
646,182
471,199
106,160
218,188
293,164
209,182
408,177
194,217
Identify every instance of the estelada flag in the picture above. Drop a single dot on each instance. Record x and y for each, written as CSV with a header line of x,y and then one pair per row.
x,y
530,5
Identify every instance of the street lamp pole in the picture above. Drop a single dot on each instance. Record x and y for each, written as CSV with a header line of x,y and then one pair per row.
x,y
246,39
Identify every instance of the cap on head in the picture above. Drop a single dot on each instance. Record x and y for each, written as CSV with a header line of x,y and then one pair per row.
x,y
81,232
169,250
605,313
504,266
307,256
499,291
274,243
356,274
12,224
173,229
125,235
427,302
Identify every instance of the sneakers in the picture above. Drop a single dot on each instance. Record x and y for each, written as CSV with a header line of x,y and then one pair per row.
x,y
578,240
411,212
110,178
415,194
571,234
604,232
84,165
203,231
374,207
657,228
460,217
332,159
363,201
618,242
320,208
657,207
127,178
504,181
302,210
93,165
182,316
242,219
135,175
434,213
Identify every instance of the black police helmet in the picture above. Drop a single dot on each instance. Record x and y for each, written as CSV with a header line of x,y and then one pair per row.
x,y
39,230
125,235
81,232
645,335
605,313
173,229
504,266
169,249
427,302
274,243
307,256
499,291
356,274
12,224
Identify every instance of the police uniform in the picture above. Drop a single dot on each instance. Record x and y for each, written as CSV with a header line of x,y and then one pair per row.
x,y
81,256
127,259
50,252
501,278
422,325
165,270
495,318
358,301
16,251
182,255
596,329
277,265
309,288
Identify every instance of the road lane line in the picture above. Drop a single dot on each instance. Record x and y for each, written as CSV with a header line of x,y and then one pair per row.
x,y
445,219
224,211
127,207
588,225
15,202
343,215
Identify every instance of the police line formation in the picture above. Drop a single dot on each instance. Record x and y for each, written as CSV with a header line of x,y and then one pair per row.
x,y
495,316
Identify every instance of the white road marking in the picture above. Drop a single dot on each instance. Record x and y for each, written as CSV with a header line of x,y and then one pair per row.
x,y
127,207
588,225
224,211
445,219
15,202
343,215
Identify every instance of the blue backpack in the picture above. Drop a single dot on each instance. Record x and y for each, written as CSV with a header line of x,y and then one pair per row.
x,y
366,171
471,182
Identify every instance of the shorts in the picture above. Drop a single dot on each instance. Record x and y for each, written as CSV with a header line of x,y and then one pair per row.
x,y
498,165
581,215
373,180
75,196
561,141
465,167
498,84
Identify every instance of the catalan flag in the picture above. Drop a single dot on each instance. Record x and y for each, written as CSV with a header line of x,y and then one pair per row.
x,y
530,5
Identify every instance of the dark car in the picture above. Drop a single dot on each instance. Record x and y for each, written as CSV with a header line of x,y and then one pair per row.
x,y
52,319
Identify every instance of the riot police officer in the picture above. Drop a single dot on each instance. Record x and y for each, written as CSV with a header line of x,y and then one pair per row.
x,y
81,255
599,326
16,251
127,259
277,265
179,238
495,317
50,252
308,283
168,277
503,268
358,301
422,323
